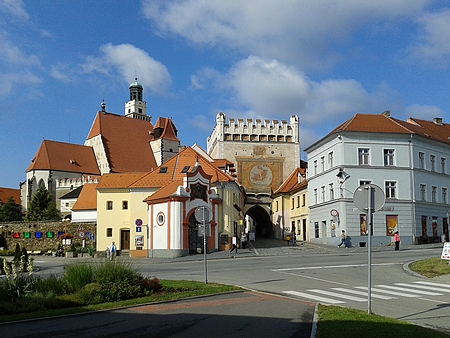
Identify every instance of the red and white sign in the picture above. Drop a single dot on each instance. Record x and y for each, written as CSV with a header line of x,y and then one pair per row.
x,y
446,251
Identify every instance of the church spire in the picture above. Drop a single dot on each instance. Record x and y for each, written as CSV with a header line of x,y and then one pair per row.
x,y
136,107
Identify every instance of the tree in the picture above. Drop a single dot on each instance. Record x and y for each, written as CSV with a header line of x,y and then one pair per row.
x,y
42,207
10,211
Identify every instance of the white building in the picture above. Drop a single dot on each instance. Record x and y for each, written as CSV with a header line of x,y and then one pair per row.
x,y
408,160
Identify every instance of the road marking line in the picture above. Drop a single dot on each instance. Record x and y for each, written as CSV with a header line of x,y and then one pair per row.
x,y
434,301
388,292
315,278
314,297
409,290
362,293
429,288
338,295
335,266
434,284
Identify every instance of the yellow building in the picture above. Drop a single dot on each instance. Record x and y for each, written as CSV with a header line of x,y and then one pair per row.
x,y
290,207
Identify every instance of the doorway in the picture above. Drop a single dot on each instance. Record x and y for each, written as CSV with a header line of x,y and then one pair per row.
x,y
125,240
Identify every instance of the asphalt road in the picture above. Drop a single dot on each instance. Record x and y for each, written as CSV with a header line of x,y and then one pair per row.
x,y
303,275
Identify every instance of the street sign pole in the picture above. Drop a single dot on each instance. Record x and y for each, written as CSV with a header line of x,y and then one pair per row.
x,y
204,246
370,211
203,215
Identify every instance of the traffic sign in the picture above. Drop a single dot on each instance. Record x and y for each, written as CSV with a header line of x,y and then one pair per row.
x,y
361,197
138,222
203,214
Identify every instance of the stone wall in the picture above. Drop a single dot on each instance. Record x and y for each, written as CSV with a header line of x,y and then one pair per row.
x,y
44,236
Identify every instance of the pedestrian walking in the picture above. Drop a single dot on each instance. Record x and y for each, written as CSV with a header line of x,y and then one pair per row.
x,y
397,240
112,251
343,238
234,244
244,240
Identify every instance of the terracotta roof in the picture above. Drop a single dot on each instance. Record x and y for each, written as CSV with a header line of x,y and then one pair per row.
x,y
169,131
6,193
67,157
87,200
384,123
119,181
126,141
174,167
292,184
164,192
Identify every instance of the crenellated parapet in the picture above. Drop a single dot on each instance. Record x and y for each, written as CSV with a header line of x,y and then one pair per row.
x,y
74,182
249,130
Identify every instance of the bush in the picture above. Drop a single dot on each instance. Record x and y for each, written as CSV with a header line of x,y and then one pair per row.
x,y
78,275
52,285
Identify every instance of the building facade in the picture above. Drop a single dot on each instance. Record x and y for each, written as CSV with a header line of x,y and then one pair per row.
x,y
407,160
265,153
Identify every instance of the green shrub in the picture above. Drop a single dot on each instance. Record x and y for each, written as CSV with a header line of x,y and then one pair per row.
x,y
78,275
51,285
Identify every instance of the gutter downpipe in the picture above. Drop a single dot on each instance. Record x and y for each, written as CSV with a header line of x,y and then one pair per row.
x,y
412,190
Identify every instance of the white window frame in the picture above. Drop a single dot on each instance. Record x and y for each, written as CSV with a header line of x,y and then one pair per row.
x,y
364,156
389,157
444,192
330,159
421,160
391,189
433,162
331,187
423,192
433,194
443,165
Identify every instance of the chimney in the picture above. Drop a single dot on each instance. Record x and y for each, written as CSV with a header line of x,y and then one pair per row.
x,y
438,121
387,113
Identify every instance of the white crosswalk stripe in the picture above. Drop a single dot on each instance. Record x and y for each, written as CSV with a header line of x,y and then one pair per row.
x,y
394,293
426,287
362,293
409,290
338,295
383,292
314,297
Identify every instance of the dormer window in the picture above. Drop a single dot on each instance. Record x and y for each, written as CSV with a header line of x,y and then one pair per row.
x,y
162,170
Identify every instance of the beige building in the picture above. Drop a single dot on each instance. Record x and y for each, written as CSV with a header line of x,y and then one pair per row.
x,y
265,153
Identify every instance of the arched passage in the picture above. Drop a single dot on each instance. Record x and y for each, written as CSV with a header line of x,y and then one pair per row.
x,y
261,218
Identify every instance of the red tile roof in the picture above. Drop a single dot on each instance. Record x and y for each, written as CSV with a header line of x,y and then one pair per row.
x,y
6,193
292,184
66,157
87,200
384,123
126,141
119,180
169,131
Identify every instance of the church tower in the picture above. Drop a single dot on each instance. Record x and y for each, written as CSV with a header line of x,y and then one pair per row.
x,y
136,108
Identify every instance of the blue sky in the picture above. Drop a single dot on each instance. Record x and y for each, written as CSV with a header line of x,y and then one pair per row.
x,y
322,60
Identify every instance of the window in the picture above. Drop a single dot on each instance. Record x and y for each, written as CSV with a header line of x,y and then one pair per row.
x,y
292,203
330,160
108,232
423,192
443,165
67,205
322,163
362,182
363,156
388,157
391,224
331,191
322,193
298,201
109,205
316,229
276,206
315,167
421,160
444,195
303,200
433,162
315,196
390,189
124,205
433,194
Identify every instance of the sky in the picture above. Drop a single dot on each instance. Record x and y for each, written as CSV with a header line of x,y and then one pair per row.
x,y
324,61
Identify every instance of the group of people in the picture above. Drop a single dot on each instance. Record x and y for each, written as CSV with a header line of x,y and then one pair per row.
x,y
344,240
234,242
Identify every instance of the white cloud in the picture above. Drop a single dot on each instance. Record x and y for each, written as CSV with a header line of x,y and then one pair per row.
x,y
129,60
433,43
15,8
269,89
424,112
307,33
10,54
9,80
62,72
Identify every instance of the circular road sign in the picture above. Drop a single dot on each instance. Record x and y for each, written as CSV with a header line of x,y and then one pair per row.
x,y
203,214
361,197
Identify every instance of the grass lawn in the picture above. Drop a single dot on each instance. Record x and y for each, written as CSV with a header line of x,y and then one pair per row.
x,y
180,289
335,321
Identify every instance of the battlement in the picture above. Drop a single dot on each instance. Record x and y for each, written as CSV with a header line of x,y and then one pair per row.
x,y
74,182
257,130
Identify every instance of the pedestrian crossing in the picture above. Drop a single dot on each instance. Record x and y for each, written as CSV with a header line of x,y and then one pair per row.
x,y
340,295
